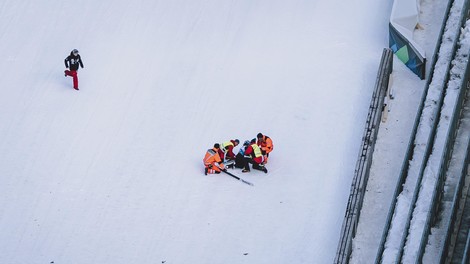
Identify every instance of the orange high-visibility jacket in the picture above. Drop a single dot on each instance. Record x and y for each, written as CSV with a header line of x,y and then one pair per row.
x,y
266,144
211,157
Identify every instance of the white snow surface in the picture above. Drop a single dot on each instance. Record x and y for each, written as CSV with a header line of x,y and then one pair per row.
x,y
113,173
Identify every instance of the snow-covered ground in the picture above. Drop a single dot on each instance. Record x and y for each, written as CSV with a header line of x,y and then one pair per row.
x,y
113,173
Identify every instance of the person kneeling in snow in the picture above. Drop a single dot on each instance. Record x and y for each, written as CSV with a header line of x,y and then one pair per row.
x,y
212,161
227,148
266,145
227,153
254,155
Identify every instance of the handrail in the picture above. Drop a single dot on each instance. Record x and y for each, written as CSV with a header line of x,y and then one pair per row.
x,y
361,173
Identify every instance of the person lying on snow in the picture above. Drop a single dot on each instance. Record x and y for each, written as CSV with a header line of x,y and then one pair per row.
x,y
240,157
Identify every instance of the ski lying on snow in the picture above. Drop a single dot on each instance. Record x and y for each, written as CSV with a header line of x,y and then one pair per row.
x,y
238,178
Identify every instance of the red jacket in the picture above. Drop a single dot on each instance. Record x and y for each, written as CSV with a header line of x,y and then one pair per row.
x,y
229,150
251,152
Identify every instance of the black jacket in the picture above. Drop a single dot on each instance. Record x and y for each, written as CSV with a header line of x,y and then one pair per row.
x,y
73,61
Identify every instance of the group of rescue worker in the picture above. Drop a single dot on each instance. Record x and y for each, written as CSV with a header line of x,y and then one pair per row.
x,y
255,152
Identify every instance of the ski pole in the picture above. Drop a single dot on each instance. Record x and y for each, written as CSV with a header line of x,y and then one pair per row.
x,y
238,178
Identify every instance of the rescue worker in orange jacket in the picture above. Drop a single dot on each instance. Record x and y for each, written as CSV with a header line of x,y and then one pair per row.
x,y
254,156
212,161
266,145
228,146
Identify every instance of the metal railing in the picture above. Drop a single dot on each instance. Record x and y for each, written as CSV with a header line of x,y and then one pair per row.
x,y
361,173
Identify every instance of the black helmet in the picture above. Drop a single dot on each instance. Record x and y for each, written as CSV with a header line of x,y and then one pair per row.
x,y
75,52
216,145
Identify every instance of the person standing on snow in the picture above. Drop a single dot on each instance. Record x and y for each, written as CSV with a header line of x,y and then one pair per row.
x,y
71,63
266,145
254,155
212,161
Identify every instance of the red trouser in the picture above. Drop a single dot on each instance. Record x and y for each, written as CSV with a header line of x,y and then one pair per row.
x,y
74,76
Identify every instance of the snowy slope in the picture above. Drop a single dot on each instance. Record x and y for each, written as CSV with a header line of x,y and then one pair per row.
x,y
113,173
